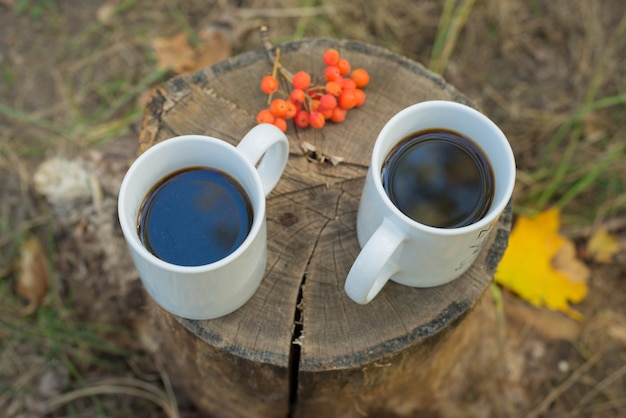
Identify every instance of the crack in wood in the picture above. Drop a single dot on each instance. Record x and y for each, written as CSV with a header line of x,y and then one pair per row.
x,y
297,337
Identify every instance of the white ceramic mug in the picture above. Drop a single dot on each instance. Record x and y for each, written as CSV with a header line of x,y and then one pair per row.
x,y
215,289
398,248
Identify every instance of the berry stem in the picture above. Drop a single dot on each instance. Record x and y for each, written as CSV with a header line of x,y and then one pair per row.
x,y
276,63
274,71
272,51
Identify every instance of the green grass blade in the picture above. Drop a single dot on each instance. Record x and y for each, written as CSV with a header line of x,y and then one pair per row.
x,y
450,33
582,184
575,128
442,33
16,114
108,112
603,103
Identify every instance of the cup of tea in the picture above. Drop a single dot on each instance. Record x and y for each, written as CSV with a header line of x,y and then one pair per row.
x,y
192,210
440,176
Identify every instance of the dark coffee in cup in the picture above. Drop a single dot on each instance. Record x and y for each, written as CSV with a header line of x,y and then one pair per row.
x,y
439,178
195,216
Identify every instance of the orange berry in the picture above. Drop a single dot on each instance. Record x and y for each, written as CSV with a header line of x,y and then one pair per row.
x,y
360,77
359,97
348,83
331,57
301,80
344,66
302,119
265,116
333,88
328,101
332,73
278,107
347,99
317,120
297,96
339,115
269,84
281,124
291,110
328,113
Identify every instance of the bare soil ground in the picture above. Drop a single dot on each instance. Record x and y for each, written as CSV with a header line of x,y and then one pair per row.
x,y
73,75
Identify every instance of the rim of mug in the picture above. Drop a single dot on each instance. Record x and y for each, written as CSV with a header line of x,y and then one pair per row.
x,y
130,228
494,209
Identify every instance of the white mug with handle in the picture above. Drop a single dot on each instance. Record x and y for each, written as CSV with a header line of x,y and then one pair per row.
x,y
215,289
398,248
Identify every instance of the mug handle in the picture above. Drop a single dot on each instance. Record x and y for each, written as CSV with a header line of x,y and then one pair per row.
x,y
266,147
374,265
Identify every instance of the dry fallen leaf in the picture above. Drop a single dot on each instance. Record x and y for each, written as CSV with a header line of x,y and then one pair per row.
x,y
177,54
34,274
63,181
541,266
173,53
618,332
602,246
106,12
566,262
312,155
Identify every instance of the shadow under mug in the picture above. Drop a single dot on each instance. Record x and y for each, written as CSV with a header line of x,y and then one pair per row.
x,y
216,289
396,247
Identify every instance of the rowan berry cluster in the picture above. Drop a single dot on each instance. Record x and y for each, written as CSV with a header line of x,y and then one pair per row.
x,y
339,90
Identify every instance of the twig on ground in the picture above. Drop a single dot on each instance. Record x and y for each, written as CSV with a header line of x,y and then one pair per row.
x,y
564,387
610,379
282,13
118,386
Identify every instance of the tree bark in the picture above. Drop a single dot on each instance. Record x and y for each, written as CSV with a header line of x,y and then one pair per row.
x,y
300,347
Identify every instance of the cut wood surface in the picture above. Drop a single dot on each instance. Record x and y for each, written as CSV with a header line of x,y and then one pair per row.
x,y
300,346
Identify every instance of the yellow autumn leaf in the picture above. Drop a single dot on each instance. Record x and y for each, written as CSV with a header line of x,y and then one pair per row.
x,y
602,246
541,266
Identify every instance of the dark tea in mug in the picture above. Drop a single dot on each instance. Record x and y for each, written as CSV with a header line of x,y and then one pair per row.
x,y
195,216
439,178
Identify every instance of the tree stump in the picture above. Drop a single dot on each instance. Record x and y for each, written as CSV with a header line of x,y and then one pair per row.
x,y
300,347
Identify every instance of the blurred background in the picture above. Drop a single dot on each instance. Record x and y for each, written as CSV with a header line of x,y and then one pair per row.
x,y
74,80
